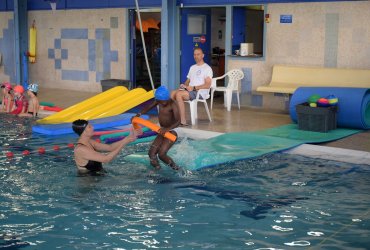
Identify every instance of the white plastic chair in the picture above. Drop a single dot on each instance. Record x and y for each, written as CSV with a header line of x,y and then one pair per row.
x,y
233,85
194,107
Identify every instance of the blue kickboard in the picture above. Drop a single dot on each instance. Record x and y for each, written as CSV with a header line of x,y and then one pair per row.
x,y
102,123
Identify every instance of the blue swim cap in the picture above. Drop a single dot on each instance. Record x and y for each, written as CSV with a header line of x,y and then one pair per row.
x,y
34,87
162,94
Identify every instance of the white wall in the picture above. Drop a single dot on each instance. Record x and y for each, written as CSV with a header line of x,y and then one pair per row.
x,y
334,34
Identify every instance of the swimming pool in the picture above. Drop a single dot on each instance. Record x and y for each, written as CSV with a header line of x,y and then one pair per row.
x,y
279,201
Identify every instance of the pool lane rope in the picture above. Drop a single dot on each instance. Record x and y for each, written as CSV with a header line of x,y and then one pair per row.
x,y
146,137
39,151
137,121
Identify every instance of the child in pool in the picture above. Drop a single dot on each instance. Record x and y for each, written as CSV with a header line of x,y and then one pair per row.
x,y
7,100
20,100
33,102
169,118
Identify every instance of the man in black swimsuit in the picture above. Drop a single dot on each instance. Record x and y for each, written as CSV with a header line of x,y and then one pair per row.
x,y
87,151
169,118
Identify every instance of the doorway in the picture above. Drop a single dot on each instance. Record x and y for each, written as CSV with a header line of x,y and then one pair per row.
x,y
151,23
203,28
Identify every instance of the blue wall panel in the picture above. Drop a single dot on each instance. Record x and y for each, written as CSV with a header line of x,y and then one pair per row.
x,y
3,5
44,5
187,3
6,5
91,4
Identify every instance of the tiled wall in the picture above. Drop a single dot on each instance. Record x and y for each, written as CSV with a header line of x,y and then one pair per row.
x,y
7,69
333,34
78,48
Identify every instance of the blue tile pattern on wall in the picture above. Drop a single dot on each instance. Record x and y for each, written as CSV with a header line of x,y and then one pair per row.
x,y
57,43
247,80
107,54
51,53
7,50
74,33
99,50
64,54
246,88
92,55
75,75
114,56
102,34
257,100
99,75
58,64
114,22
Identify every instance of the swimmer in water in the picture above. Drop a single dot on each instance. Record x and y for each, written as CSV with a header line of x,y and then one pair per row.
x,y
87,153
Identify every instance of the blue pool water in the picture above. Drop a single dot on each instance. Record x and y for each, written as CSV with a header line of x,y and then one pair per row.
x,y
278,201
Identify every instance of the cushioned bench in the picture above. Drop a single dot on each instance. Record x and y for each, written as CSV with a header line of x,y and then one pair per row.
x,y
286,79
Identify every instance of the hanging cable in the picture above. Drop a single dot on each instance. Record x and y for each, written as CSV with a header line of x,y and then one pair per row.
x,y
143,41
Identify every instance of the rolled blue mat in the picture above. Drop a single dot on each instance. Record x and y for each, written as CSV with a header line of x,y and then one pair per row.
x,y
353,104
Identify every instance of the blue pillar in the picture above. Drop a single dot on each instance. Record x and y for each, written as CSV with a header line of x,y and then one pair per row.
x,y
228,35
170,44
21,36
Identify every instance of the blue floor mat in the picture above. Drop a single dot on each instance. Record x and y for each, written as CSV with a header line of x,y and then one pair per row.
x,y
232,147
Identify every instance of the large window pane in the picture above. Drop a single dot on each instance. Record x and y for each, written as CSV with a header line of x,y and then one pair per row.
x,y
248,24
196,24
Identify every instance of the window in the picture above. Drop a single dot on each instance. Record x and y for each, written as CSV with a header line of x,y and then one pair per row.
x,y
197,24
247,33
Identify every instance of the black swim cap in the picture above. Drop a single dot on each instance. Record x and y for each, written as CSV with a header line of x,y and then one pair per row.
x,y
79,126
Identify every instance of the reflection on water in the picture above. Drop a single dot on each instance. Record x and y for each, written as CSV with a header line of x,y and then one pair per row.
x,y
278,201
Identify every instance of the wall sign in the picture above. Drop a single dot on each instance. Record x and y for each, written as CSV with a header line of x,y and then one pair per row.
x,y
202,39
286,18
196,39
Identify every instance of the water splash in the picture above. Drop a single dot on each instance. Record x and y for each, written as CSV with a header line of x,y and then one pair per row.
x,y
300,243
316,234
282,229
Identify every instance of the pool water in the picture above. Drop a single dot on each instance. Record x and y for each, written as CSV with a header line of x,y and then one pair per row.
x,y
278,201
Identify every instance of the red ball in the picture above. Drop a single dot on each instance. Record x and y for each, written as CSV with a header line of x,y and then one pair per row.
x,y
9,154
41,150
56,148
323,102
26,152
71,145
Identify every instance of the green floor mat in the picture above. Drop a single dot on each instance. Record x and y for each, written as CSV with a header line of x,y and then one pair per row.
x,y
229,147
291,131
